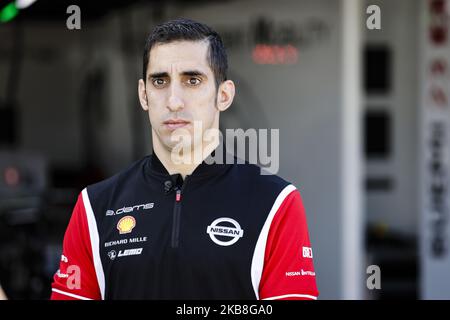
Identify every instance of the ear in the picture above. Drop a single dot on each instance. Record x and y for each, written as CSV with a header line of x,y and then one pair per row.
x,y
142,95
225,95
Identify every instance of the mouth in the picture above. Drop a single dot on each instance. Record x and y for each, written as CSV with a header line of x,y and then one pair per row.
x,y
174,124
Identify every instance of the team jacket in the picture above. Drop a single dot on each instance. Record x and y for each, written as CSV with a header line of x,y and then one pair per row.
x,y
226,232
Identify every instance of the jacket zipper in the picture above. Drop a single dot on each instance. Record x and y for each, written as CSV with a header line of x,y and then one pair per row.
x,y
176,215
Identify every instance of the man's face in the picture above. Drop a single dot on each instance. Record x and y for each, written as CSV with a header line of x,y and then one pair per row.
x,y
180,90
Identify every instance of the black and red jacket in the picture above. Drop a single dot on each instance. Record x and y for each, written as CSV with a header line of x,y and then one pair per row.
x,y
226,232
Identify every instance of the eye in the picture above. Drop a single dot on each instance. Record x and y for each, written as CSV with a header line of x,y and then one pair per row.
x,y
159,82
194,81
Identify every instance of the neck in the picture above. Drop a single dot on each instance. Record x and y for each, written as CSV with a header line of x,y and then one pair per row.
x,y
186,167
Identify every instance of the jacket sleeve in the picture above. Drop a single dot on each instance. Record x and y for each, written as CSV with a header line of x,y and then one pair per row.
x,y
76,277
288,271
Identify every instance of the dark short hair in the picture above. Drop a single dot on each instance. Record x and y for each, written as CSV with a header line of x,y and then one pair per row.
x,y
185,29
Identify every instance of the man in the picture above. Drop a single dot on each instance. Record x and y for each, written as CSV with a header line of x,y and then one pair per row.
x,y
167,228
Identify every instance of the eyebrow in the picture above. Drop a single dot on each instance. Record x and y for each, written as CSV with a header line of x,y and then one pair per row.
x,y
184,73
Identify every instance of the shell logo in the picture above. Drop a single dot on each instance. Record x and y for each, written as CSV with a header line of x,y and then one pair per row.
x,y
126,224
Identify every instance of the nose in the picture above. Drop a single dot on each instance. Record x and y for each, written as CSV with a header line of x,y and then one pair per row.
x,y
175,102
